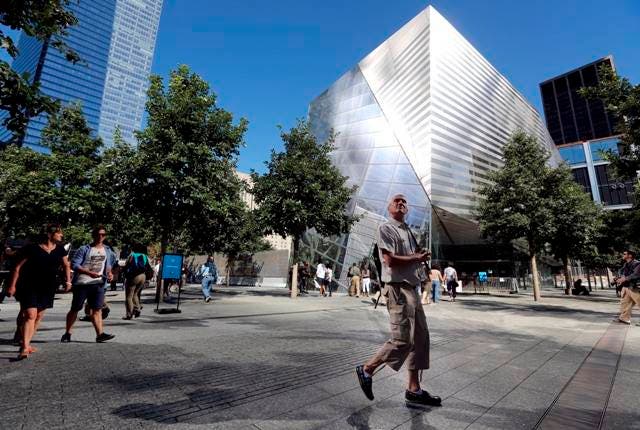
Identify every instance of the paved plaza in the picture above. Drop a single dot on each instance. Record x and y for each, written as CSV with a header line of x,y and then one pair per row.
x,y
255,359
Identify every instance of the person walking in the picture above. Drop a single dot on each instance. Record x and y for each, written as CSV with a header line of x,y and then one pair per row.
x,y
328,278
354,273
34,281
402,263
303,277
451,277
209,274
106,310
366,280
91,266
628,277
135,274
437,281
320,273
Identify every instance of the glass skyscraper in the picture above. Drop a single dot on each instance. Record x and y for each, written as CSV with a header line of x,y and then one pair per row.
x,y
425,115
583,130
115,41
130,58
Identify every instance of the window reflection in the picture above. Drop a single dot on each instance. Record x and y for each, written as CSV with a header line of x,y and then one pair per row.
x,y
601,147
573,154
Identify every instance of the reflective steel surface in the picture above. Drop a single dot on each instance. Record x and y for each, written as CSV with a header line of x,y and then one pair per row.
x,y
426,115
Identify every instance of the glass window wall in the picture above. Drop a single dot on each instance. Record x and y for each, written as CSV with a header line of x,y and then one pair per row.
x,y
573,154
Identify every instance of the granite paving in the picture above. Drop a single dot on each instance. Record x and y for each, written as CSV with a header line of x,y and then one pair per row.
x,y
256,359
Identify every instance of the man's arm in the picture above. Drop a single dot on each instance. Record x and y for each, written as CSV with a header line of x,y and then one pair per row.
x,y
393,260
67,272
77,261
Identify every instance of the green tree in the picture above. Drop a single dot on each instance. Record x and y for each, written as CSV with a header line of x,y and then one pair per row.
x,y
244,237
518,205
38,188
111,181
181,182
302,190
75,155
577,220
622,100
25,188
47,21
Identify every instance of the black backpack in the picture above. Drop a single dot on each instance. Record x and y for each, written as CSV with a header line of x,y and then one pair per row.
x,y
135,266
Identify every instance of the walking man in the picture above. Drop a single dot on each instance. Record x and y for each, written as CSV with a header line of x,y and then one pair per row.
x,y
354,272
209,273
402,271
629,277
91,267
451,277
320,273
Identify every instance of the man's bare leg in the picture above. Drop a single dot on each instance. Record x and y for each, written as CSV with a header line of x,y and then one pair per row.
x,y
413,383
96,319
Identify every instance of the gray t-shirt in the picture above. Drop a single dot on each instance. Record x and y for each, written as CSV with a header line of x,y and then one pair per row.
x,y
395,237
95,263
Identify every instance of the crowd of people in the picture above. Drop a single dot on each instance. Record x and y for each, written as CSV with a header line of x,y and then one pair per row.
x,y
363,280
37,270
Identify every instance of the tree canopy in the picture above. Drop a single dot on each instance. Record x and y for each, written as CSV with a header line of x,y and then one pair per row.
x,y
529,200
180,182
39,188
302,189
20,97
622,99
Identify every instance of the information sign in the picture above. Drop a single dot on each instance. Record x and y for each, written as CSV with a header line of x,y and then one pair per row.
x,y
172,266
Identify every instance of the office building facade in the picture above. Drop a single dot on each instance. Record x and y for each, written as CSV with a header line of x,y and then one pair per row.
x,y
583,131
425,115
133,43
115,40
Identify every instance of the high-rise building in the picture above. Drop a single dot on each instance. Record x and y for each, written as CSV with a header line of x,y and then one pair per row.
x,y
583,130
115,40
426,115
130,59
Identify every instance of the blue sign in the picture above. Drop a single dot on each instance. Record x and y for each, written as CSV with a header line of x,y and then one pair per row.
x,y
171,266
482,276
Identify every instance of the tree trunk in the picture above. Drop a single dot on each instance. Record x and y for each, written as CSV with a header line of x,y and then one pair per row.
x,y
568,279
293,259
228,275
589,278
534,274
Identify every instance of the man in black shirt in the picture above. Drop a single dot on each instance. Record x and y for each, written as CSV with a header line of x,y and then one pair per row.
x,y
629,277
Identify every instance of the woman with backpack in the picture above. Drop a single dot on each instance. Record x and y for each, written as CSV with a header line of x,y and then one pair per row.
x,y
135,270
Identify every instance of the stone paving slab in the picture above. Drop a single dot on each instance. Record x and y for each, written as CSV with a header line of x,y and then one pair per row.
x,y
255,360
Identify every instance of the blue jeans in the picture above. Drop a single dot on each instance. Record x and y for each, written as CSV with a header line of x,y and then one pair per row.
x,y
207,283
435,291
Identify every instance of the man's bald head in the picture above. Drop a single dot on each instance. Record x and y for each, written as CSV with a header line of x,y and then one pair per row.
x,y
398,207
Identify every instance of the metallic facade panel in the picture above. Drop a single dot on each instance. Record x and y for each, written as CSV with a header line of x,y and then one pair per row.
x,y
426,115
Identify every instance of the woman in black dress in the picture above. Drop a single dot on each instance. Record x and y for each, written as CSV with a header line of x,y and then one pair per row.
x,y
34,281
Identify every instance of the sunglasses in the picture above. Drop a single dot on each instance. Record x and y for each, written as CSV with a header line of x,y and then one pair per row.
x,y
101,234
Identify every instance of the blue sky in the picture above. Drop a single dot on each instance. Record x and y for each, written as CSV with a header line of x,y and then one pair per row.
x,y
267,59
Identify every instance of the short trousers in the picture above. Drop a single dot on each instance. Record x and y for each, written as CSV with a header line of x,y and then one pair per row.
x,y
93,294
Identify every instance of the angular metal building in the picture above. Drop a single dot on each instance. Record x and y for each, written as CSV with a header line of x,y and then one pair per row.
x,y
426,115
